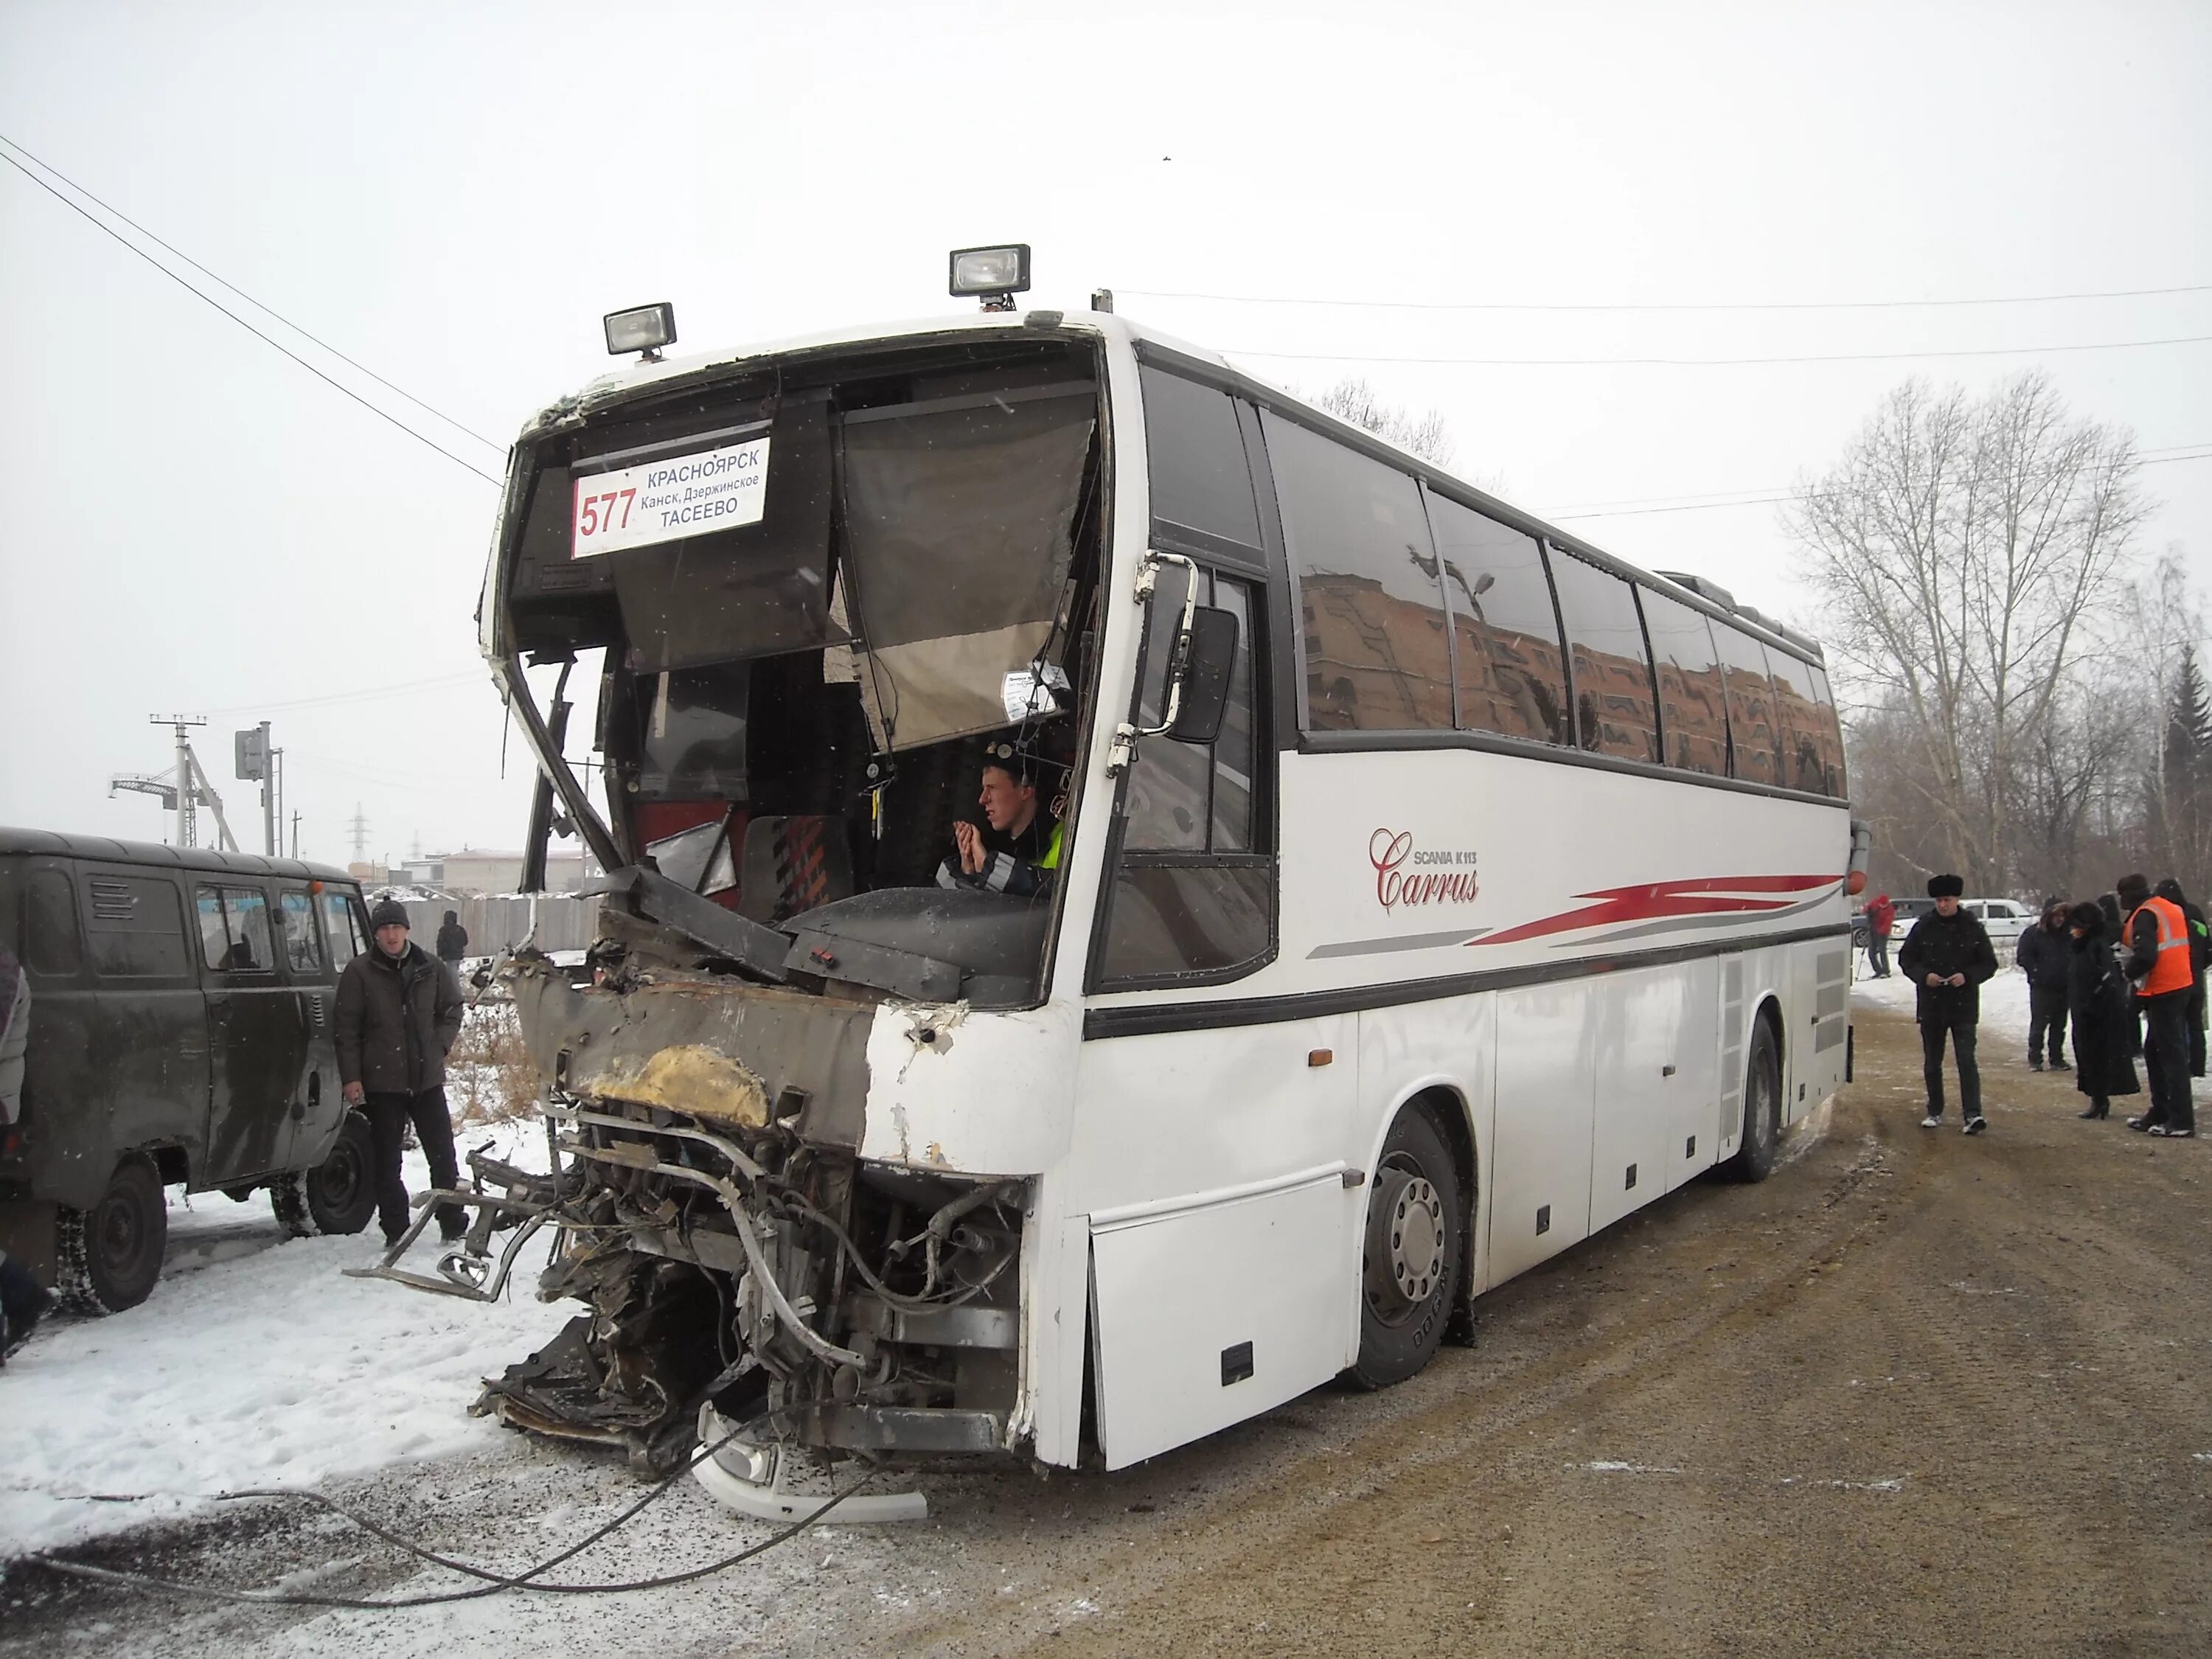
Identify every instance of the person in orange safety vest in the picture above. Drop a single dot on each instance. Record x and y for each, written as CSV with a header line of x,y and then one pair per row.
x,y
2155,937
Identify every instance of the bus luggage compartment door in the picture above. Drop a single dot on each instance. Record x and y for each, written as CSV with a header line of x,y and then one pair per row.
x,y
1210,1308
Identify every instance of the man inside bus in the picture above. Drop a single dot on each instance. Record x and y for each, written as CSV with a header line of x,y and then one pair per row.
x,y
1016,848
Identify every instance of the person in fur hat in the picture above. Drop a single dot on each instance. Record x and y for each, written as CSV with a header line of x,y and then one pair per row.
x,y
1947,955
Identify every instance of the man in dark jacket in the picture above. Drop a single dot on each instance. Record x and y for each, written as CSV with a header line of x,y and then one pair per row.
x,y
2155,948
2044,954
1947,955
453,940
399,1010
2200,957
2103,1024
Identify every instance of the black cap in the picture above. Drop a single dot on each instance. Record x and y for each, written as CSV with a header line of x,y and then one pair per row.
x,y
2132,890
388,913
1945,886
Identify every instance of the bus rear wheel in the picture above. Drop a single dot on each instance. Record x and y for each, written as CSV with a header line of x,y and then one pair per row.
x,y
1762,1107
1410,1258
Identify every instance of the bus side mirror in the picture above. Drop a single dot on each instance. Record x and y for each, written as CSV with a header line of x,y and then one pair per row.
x,y
1207,652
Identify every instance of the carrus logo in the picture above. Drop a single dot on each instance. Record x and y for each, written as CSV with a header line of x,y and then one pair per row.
x,y
1404,874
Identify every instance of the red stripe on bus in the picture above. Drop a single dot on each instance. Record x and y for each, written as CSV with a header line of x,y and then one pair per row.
x,y
1691,896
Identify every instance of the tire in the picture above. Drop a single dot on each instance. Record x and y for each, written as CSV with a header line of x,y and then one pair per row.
x,y
1762,1107
109,1257
338,1195
1410,1256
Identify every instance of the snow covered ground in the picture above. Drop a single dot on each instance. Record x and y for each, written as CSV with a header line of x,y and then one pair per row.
x,y
254,1363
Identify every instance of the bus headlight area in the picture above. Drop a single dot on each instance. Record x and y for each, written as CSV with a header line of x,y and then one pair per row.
x,y
747,1279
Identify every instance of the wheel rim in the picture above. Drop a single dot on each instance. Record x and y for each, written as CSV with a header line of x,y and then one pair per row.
x,y
120,1235
1405,1236
338,1182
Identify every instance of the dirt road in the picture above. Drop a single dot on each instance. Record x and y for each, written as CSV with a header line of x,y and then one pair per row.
x,y
1917,1394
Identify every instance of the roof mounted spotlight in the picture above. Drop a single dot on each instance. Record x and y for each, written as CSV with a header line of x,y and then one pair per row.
x,y
643,329
992,274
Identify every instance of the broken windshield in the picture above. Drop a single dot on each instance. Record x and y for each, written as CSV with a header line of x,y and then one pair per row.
x,y
807,596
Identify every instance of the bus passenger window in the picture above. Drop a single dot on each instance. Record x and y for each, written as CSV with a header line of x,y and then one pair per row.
x,y
1370,591
1693,701
1797,724
1830,735
1613,675
1200,479
1506,632
1751,706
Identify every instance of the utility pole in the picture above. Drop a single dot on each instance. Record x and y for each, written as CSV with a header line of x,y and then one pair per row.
x,y
254,763
295,834
183,724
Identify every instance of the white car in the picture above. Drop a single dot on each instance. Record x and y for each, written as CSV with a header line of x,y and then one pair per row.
x,y
2003,920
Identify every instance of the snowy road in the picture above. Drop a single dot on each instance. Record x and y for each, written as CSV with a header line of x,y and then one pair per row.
x,y
1877,1403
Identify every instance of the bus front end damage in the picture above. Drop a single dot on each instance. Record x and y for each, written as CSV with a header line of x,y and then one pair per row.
x,y
748,1281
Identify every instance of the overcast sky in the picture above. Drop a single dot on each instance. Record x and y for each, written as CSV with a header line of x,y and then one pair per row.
x,y
453,194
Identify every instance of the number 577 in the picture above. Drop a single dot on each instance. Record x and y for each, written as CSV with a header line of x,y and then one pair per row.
x,y
597,513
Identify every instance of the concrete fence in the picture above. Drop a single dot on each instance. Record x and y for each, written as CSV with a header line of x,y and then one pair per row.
x,y
562,920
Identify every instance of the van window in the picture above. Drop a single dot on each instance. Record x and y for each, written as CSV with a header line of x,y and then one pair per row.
x,y
1506,634
135,927
1693,701
1369,594
303,951
1200,479
49,945
342,925
235,930
1613,675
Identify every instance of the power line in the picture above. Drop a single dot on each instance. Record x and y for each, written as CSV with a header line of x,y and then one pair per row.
x,y
110,230
367,694
1782,305
106,207
1709,362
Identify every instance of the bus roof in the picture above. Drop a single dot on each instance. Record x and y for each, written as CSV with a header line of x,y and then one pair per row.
x,y
53,844
1156,345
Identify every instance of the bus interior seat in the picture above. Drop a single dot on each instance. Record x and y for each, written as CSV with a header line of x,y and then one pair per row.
x,y
794,863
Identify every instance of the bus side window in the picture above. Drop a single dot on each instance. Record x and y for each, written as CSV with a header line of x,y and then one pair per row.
x,y
1693,703
1505,630
1797,724
50,937
1611,670
1828,734
1195,459
1751,706
1192,896
1370,593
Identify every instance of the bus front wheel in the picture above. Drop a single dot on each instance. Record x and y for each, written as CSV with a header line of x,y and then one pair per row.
x,y
1762,1107
1410,1260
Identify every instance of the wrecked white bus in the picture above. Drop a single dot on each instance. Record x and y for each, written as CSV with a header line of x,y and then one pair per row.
x,y
1430,890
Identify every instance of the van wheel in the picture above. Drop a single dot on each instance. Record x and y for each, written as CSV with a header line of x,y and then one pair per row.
x,y
1762,1109
109,1257
1409,1263
338,1195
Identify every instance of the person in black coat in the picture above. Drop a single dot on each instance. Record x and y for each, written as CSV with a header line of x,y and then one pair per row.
x,y
1947,955
2043,954
2200,957
452,940
2097,997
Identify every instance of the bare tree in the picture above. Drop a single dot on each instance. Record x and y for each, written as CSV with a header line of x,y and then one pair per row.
x,y
1960,548
1355,402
